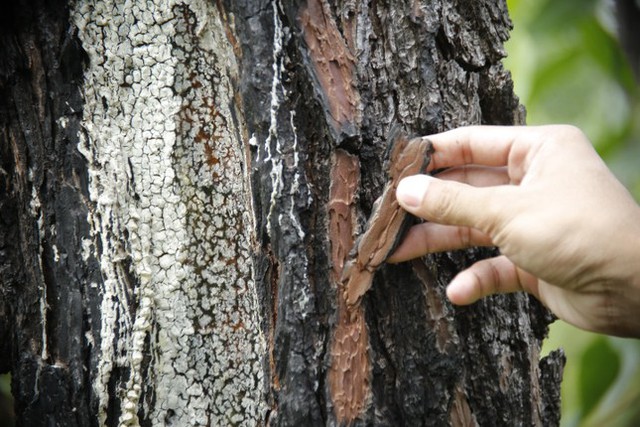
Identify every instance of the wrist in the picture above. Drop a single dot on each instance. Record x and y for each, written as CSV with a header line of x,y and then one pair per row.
x,y
624,303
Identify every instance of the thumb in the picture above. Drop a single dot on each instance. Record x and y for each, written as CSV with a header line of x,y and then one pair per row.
x,y
450,202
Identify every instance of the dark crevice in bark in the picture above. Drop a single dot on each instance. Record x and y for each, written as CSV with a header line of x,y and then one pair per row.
x,y
114,410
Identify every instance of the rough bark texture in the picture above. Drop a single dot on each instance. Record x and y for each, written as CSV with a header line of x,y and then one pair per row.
x,y
170,178
46,331
128,219
428,66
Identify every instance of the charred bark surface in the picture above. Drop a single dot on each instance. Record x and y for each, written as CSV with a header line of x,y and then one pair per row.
x,y
127,137
341,74
49,320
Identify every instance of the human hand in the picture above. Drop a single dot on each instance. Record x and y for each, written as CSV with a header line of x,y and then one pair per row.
x,y
568,231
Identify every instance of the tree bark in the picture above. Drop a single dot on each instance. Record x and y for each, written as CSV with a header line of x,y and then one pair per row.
x,y
182,184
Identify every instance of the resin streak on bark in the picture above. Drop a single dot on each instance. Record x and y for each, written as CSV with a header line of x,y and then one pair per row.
x,y
290,183
333,63
350,369
181,343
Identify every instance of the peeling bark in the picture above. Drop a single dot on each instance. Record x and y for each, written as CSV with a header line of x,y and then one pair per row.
x,y
388,221
333,63
181,184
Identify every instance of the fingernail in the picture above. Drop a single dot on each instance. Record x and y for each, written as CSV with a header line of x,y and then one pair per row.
x,y
461,291
412,189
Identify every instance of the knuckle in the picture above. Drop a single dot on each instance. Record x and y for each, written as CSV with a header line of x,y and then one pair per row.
x,y
495,278
443,208
485,286
561,134
571,130
488,278
464,236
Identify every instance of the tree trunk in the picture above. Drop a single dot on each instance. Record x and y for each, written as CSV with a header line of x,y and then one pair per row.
x,y
182,184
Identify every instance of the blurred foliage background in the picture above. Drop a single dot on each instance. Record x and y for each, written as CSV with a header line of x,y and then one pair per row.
x,y
568,67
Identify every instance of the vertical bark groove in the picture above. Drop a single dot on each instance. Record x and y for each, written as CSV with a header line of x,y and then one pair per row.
x,y
43,207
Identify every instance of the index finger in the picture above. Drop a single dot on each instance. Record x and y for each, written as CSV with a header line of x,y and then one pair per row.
x,y
477,145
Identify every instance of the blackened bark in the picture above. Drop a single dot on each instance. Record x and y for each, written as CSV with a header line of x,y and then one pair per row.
x,y
429,66
316,77
45,332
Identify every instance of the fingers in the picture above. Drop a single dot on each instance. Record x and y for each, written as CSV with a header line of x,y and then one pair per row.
x,y
454,203
512,146
429,238
480,145
478,176
488,277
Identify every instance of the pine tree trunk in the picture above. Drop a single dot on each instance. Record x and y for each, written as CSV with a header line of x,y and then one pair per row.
x,y
182,184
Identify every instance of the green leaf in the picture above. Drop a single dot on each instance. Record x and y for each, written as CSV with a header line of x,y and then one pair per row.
x,y
619,407
604,49
600,365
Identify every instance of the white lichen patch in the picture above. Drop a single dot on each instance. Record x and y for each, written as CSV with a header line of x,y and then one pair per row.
x,y
170,216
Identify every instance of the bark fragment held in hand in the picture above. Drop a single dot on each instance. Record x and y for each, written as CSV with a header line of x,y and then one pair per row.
x,y
388,220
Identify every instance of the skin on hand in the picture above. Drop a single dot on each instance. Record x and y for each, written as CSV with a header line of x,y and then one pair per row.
x,y
567,230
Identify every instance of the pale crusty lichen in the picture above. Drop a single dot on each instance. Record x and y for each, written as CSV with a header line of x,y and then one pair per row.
x,y
171,215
